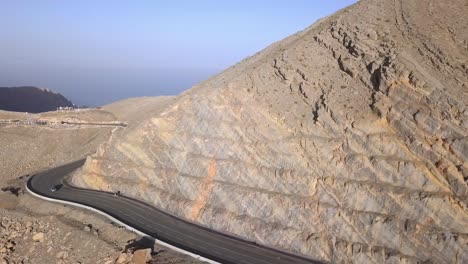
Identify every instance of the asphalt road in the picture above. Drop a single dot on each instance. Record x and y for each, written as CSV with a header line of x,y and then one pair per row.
x,y
158,224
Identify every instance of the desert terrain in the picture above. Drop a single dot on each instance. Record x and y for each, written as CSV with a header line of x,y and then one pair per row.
x,y
36,231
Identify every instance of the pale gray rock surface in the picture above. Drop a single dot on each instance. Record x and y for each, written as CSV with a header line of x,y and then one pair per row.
x,y
346,142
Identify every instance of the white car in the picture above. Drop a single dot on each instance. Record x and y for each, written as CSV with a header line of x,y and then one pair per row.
x,y
56,188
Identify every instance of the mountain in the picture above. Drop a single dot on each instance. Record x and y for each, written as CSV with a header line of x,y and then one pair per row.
x,y
346,142
31,99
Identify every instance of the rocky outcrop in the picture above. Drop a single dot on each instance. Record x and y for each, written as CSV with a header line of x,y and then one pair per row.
x,y
31,99
14,232
346,142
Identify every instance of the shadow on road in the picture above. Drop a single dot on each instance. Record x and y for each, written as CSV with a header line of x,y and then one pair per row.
x,y
142,243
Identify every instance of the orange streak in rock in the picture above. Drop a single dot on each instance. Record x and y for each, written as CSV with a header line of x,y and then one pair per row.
x,y
204,191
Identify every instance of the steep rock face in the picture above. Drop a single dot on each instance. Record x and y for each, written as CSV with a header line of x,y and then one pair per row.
x,y
346,142
31,99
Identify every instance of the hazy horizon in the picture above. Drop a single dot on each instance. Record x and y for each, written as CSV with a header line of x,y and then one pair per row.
x,y
98,52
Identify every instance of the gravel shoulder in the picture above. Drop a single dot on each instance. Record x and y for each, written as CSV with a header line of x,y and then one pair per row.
x,y
37,231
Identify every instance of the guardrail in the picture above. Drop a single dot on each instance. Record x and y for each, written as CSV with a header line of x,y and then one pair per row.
x,y
49,123
138,229
117,221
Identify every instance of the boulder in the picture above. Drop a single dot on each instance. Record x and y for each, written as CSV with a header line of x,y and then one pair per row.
x,y
123,258
38,237
141,256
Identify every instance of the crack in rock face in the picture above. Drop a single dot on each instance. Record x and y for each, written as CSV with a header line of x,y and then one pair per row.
x,y
346,142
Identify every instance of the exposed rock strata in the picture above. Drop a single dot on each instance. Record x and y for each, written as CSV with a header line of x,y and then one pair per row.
x,y
346,142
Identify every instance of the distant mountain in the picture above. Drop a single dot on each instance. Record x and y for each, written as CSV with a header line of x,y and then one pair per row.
x,y
31,99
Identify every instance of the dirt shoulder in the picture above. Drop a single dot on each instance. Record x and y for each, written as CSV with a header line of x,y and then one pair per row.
x,y
36,231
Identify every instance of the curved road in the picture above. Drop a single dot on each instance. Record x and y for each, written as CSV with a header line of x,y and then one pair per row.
x,y
158,224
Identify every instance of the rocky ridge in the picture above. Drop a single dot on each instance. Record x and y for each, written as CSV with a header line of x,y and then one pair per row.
x,y
31,99
346,142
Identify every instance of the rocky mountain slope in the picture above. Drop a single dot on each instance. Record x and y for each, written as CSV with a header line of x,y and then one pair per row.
x,y
31,99
346,142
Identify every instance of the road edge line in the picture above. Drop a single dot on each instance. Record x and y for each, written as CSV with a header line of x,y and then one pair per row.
x,y
162,243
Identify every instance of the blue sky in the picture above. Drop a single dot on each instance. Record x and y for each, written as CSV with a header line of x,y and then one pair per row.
x,y
95,52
